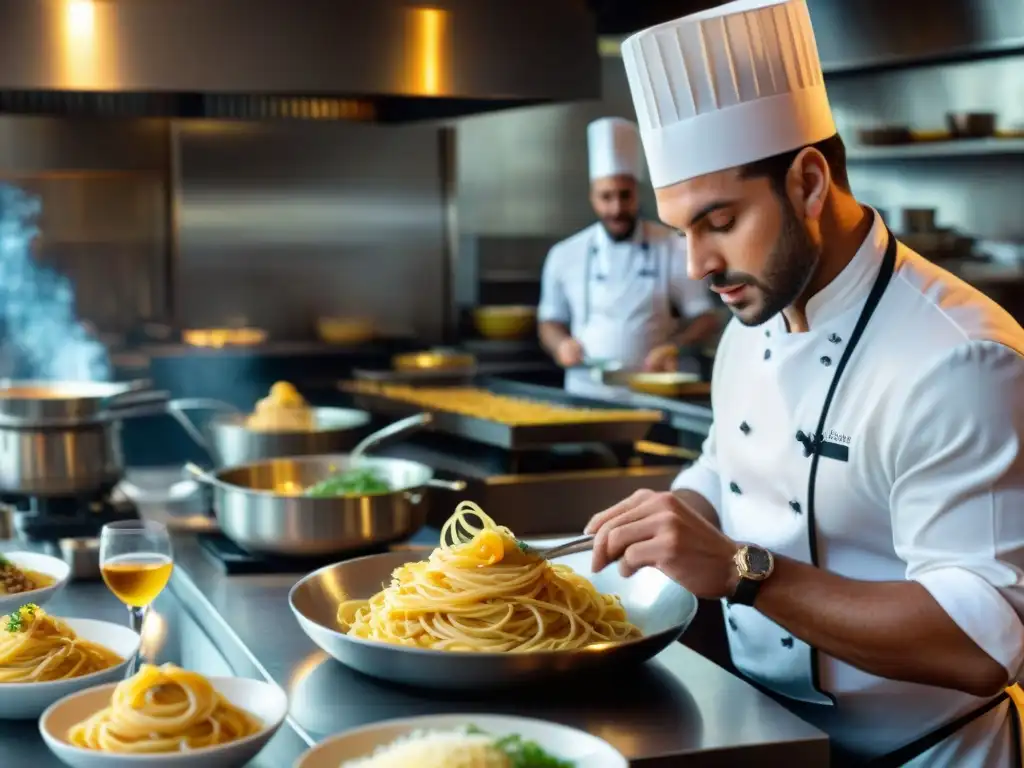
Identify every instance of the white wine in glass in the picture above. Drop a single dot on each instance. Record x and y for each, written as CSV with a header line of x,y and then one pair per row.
x,y
136,563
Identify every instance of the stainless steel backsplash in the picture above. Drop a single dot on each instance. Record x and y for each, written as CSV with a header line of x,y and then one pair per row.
x,y
279,223
103,187
275,224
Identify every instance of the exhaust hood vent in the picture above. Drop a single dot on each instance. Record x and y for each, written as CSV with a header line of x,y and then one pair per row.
x,y
379,60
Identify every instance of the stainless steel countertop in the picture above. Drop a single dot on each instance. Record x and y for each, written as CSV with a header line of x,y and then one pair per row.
x,y
170,634
678,705
678,709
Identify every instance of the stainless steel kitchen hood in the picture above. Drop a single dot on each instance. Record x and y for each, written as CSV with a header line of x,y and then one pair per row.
x,y
384,60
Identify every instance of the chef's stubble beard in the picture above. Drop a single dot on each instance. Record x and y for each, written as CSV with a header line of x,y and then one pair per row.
x,y
627,233
788,271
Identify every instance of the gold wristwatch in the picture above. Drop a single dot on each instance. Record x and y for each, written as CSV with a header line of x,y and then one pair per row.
x,y
753,564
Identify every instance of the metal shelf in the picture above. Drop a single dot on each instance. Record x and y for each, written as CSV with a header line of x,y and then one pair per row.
x,y
936,150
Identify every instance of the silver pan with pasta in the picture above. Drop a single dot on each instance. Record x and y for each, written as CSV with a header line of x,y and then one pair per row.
x,y
484,610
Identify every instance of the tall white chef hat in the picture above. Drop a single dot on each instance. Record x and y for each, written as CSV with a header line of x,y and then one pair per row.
x,y
614,146
726,87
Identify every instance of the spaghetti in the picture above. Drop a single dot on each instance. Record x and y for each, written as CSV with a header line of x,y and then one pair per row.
x,y
160,710
38,648
282,410
484,591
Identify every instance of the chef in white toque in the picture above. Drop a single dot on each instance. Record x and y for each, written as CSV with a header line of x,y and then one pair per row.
x,y
617,292
859,504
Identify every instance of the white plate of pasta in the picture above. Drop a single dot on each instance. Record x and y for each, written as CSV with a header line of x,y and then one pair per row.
x,y
44,658
482,741
165,717
485,610
29,577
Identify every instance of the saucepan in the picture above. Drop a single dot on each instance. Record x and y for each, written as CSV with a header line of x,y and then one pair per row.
x,y
71,403
261,506
231,442
63,438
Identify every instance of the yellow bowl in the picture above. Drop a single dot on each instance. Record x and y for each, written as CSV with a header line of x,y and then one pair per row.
x,y
506,323
345,330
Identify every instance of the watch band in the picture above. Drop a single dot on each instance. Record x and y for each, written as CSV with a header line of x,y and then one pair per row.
x,y
746,591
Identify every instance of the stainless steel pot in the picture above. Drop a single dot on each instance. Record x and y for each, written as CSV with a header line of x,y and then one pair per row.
x,y
67,461
231,442
64,438
71,403
254,512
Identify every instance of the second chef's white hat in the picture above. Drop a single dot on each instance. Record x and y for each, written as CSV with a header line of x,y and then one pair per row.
x,y
615,149
725,87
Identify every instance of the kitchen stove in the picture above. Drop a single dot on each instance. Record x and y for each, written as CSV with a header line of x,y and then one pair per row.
x,y
41,519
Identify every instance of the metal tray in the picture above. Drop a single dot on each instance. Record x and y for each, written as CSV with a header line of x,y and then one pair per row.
x,y
426,377
517,437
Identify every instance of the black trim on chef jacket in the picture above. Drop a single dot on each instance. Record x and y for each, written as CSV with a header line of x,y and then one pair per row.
x,y
816,447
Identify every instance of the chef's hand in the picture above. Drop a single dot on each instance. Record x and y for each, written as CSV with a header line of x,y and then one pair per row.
x,y
663,359
569,353
659,530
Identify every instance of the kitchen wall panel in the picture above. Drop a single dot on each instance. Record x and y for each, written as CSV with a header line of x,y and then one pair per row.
x,y
524,172
978,194
103,185
279,223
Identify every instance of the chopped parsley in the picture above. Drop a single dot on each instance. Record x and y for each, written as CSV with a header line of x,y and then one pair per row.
x,y
528,754
522,753
354,482
16,619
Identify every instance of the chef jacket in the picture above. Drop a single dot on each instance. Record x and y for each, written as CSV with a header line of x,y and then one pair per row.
x,y
921,478
620,300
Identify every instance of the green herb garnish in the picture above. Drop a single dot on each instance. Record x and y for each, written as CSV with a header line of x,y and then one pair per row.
x,y
353,482
16,619
528,754
523,546
522,753
4,562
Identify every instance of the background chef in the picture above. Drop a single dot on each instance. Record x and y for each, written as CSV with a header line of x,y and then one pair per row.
x,y
859,504
618,291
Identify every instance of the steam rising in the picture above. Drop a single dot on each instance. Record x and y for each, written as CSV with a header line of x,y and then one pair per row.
x,y
37,305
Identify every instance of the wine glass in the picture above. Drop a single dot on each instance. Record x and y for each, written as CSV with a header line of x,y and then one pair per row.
x,y
136,563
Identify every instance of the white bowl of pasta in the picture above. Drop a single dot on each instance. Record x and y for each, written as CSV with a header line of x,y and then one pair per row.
x,y
440,741
165,717
35,576
43,659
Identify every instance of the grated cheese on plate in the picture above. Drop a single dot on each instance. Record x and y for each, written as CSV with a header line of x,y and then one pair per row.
x,y
436,749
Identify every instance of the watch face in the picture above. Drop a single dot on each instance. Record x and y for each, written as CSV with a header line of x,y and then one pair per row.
x,y
758,561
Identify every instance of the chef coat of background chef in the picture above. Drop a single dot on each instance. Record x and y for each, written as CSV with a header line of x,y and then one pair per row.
x,y
894,607
618,290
